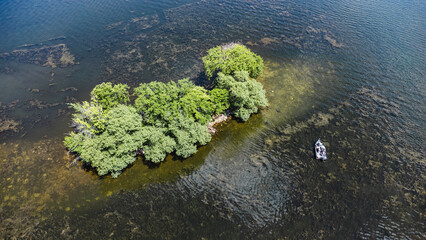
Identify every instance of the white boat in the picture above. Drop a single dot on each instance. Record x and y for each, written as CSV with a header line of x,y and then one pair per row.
x,y
320,151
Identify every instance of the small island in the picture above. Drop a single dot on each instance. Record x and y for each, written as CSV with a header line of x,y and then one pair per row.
x,y
165,118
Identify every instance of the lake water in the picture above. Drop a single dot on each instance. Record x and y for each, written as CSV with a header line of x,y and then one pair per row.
x,y
349,72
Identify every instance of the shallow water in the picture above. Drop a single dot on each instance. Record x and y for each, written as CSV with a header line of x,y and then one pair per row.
x,y
350,72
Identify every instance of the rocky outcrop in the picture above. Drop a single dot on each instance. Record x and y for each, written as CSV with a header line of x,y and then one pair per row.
x,y
216,120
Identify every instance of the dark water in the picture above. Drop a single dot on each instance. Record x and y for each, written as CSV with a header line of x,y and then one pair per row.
x,y
350,72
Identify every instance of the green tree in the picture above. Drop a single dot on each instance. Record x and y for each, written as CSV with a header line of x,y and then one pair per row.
x,y
197,105
157,103
166,117
231,58
246,95
188,134
161,103
156,144
183,108
115,148
109,96
220,99
89,119
74,141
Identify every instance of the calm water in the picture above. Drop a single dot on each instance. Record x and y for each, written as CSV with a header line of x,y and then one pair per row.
x,y
350,72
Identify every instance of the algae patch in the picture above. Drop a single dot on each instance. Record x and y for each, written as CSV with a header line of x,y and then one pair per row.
x,y
292,86
10,125
50,56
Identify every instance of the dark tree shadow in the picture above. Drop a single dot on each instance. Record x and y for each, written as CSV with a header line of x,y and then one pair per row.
x,y
203,81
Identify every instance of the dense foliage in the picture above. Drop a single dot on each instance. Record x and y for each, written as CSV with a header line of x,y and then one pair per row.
x,y
220,98
246,94
108,96
161,103
115,148
90,118
231,58
187,134
182,108
166,117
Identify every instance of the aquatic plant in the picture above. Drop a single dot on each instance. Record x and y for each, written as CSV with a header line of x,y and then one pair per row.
x,y
230,58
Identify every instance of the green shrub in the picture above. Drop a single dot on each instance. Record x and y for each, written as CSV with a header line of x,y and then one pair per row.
x,y
246,95
231,58
109,96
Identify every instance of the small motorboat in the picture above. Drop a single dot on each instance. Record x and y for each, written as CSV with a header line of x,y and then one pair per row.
x,y
320,152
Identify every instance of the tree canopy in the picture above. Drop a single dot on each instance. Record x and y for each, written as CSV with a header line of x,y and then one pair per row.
x,y
230,58
246,95
161,103
108,96
165,118
113,150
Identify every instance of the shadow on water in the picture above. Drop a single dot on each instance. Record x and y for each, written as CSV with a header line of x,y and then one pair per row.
x,y
141,173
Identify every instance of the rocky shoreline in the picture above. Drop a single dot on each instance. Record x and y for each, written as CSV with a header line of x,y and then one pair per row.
x,y
216,120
